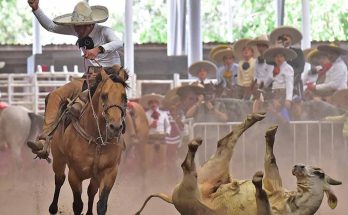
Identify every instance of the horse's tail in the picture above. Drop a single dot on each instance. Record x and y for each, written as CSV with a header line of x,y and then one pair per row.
x,y
162,196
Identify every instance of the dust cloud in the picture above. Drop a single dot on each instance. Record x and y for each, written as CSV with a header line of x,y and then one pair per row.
x,y
28,188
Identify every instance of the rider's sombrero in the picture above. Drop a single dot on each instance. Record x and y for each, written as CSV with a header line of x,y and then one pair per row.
x,y
272,52
239,46
332,48
210,67
145,99
219,55
295,34
217,48
340,99
260,40
83,14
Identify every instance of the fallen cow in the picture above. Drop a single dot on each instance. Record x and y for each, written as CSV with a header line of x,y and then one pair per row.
x,y
211,190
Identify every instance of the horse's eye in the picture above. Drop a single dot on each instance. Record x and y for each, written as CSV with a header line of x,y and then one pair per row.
x,y
104,96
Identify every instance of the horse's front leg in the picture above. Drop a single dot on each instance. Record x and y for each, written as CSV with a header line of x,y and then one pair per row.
x,y
92,190
76,186
58,165
107,181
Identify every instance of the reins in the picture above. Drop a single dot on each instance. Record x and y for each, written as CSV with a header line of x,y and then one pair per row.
x,y
90,99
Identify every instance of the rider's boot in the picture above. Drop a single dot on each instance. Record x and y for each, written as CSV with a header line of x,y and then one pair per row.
x,y
79,103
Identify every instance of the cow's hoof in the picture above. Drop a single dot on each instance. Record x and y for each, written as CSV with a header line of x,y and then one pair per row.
x,y
257,179
194,144
271,131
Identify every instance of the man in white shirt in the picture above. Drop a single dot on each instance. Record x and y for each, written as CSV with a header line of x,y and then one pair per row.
x,y
283,79
335,77
99,45
159,128
263,72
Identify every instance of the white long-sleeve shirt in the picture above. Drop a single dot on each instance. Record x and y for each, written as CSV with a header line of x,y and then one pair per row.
x,y
263,73
336,77
285,80
101,36
163,123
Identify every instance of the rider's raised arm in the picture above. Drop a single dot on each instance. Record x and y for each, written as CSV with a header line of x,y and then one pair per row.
x,y
49,25
113,43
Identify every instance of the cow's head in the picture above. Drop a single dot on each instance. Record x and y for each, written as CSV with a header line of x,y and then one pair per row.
x,y
317,179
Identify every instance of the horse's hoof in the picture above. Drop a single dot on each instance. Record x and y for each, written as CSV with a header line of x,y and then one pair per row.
x,y
53,209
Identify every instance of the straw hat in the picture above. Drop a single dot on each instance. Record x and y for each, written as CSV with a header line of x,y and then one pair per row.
x,y
240,45
340,99
83,14
332,48
263,39
219,55
295,34
217,48
207,65
195,87
272,52
145,99
312,54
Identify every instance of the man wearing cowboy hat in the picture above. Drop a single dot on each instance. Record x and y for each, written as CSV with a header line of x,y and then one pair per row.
x,y
227,73
99,45
263,70
287,36
159,124
334,76
203,70
246,67
283,77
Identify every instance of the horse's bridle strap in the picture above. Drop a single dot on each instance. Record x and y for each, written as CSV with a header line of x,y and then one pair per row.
x,y
82,132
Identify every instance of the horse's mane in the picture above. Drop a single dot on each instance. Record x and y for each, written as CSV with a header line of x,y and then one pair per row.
x,y
116,79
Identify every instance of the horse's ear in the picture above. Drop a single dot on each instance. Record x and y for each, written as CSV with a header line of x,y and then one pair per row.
x,y
123,74
103,74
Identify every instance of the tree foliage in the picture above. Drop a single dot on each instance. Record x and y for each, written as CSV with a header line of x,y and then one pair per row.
x,y
15,24
222,20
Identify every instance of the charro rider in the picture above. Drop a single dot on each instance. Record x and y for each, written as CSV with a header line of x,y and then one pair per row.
x,y
99,45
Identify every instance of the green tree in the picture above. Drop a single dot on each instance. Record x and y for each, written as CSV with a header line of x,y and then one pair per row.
x,y
15,25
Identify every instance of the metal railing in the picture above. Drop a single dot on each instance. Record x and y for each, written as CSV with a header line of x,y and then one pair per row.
x,y
30,90
307,141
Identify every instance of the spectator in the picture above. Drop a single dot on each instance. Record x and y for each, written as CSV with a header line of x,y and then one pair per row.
x,y
203,70
283,78
288,36
246,68
159,128
263,73
207,109
333,75
227,73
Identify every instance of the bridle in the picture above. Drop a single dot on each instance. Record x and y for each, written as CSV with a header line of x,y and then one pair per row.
x,y
104,141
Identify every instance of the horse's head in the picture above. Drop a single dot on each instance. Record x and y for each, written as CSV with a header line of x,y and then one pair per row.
x,y
112,102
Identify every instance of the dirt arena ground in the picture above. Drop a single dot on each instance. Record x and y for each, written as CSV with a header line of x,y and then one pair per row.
x,y
29,190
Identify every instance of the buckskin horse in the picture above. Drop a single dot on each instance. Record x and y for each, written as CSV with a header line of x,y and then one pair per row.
x,y
91,146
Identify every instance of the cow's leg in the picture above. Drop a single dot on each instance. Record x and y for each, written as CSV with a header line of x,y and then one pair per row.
x,y
107,181
262,203
58,166
272,180
216,170
92,190
76,186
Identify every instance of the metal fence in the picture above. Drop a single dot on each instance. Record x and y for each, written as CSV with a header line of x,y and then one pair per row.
x,y
30,90
310,142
